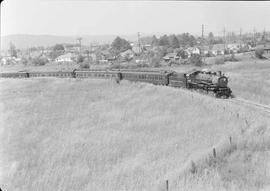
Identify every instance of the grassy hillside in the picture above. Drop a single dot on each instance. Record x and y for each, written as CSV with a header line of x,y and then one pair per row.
x,y
249,78
71,134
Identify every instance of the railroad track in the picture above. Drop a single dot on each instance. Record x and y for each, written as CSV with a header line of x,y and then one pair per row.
x,y
258,106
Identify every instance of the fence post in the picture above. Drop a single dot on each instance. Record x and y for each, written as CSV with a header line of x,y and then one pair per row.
x,y
167,185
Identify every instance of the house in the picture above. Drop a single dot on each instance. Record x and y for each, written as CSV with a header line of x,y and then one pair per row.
x,y
127,55
171,57
233,47
93,57
217,49
69,57
205,50
192,50
266,47
106,55
8,60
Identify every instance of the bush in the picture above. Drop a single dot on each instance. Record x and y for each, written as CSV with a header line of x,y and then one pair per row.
x,y
195,59
84,65
39,61
231,58
80,59
24,61
259,53
155,61
219,61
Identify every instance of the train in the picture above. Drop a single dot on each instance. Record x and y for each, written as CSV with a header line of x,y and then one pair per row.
x,y
207,81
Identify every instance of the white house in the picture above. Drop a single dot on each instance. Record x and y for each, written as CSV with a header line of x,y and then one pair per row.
x,y
65,58
192,50
217,49
233,47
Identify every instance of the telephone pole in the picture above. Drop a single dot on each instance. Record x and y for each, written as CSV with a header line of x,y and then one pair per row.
x,y
264,37
254,38
139,42
202,48
224,39
80,43
202,30
0,30
240,37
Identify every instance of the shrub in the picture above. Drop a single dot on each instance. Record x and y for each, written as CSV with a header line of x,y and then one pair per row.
x,y
24,61
231,58
155,61
80,59
259,53
84,65
195,59
39,61
219,61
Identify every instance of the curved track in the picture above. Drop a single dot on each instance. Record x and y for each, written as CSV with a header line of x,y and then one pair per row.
x,y
258,106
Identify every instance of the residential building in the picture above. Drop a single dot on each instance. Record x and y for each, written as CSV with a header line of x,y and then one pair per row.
x,y
171,56
69,57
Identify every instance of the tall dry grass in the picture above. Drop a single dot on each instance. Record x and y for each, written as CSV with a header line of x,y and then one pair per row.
x,y
249,78
71,134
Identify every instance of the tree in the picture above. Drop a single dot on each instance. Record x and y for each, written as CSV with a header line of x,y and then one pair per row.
x,y
259,53
12,50
164,41
84,65
58,47
154,41
39,61
80,59
196,59
186,40
58,50
174,43
183,54
211,38
87,52
120,45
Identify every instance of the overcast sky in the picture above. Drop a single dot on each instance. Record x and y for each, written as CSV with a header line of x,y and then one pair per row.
x,y
70,17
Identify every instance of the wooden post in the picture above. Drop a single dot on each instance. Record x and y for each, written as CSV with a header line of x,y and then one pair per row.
x,y
167,185
230,140
214,153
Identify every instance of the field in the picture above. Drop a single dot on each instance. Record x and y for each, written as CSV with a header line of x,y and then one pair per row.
x,y
70,134
249,78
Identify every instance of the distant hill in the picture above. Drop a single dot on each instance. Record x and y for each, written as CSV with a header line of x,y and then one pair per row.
x,y
25,41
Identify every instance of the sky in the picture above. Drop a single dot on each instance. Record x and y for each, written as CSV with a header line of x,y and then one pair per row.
x,y
85,17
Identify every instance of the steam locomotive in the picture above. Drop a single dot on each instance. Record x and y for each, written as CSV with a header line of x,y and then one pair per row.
x,y
207,81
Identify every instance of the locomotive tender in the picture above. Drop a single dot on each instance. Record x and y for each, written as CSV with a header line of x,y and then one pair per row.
x,y
214,82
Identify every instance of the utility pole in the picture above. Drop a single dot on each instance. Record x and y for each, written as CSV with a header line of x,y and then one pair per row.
x,y
202,30
0,29
264,37
202,48
240,37
254,32
139,42
224,39
80,43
